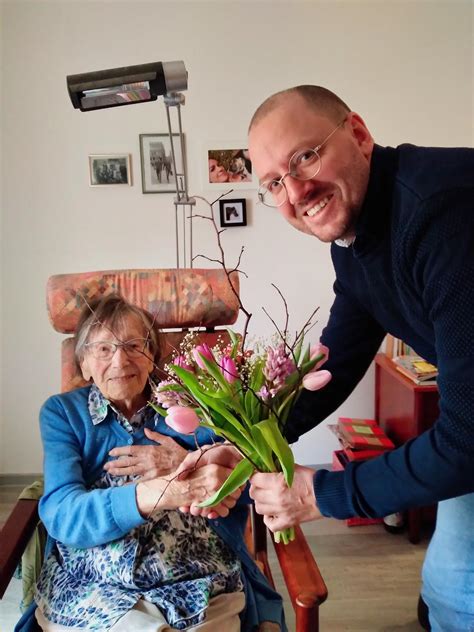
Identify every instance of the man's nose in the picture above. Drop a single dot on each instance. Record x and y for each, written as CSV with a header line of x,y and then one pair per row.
x,y
295,189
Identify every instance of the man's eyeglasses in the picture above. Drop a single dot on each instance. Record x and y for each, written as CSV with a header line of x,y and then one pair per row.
x,y
106,350
304,164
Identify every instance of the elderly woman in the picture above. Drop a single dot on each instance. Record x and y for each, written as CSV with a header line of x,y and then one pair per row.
x,y
121,556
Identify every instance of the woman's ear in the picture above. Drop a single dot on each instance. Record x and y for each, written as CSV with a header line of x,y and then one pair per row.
x,y
85,370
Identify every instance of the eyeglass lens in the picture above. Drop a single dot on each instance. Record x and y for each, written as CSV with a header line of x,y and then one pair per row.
x,y
106,350
303,165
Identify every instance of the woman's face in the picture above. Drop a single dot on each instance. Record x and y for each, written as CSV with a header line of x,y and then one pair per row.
x,y
120,378
217,173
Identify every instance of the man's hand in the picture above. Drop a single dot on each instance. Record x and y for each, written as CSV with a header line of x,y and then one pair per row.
x,y
147,461
170,493
284,506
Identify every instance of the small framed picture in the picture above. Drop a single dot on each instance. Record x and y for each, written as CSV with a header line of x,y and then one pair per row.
x,y
157,163
232,213
227,166
109,169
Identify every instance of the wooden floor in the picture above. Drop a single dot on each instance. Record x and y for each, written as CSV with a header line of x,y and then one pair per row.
x,y
373,577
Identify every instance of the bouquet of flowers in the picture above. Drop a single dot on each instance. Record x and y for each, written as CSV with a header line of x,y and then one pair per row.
x,y
244,396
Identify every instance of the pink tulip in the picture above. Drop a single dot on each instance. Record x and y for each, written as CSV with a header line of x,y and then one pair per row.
x,y
315,380
205,351
317,350
181,361
182,419
229,370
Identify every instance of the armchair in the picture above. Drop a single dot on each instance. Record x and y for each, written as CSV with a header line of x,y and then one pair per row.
x,y
182,299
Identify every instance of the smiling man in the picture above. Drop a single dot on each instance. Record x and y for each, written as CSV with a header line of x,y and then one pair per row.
x,y
401,226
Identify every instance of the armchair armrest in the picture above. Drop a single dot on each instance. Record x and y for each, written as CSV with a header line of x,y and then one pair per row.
x,y
303,580
14,537
299,569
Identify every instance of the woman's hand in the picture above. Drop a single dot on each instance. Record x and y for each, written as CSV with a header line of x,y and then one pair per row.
x,y
171,493
147,461
219,454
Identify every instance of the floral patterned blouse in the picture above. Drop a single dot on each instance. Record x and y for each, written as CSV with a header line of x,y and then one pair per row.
x,y
174,560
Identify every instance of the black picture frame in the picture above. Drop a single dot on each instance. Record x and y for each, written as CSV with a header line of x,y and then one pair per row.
x,y
233,212
110,170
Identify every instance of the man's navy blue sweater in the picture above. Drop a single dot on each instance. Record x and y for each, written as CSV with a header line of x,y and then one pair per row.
x,y
409,272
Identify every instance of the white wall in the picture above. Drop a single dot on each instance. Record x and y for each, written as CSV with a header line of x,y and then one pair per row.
x,y
405,66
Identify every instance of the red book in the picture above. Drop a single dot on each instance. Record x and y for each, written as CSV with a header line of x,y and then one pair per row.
x,y
362,455
363,434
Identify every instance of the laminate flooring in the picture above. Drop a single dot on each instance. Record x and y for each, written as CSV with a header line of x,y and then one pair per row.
x,y
373,577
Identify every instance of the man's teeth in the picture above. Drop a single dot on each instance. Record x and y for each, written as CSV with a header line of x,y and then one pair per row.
x,y
319,206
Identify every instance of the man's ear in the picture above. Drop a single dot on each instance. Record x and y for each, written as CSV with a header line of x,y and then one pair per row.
x,y
85,370
361,134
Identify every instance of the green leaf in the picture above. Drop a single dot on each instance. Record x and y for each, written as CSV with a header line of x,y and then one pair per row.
x,y
188,379
235,340
264,451
170,387
272,435
245,446
161,411
240,475
297,350
249,399
213,369
257,378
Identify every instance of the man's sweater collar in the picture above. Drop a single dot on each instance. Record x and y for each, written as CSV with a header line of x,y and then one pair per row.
x,y
373,222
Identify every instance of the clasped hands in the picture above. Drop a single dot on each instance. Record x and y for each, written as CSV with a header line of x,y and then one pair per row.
x,y
172,478
163,486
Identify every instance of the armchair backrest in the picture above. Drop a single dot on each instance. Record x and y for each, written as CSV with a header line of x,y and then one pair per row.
x,y
180,299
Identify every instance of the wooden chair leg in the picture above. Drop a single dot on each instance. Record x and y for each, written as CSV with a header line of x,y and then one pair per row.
x,y
307,615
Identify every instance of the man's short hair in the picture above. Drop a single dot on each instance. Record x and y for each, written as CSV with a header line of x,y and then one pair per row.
x,y
320,99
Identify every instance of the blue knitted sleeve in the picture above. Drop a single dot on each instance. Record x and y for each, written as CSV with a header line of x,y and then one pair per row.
x,y
435,267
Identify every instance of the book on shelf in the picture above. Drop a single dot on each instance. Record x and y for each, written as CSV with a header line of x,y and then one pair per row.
x,y
396,347
363,434
416,368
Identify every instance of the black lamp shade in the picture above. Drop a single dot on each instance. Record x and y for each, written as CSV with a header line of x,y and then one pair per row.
x,y
126,85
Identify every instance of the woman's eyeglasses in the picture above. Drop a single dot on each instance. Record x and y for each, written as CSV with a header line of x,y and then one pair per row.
x,y
106,350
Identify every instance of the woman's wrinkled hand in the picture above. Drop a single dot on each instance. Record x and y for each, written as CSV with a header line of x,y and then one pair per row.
x,y
146,461
219,454
171,493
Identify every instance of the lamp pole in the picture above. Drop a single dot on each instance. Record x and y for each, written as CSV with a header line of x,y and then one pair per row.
x,y
182,199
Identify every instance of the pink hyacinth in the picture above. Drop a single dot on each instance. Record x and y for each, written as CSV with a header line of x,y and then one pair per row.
x,y
315,380
317,350
278,367
205,351
183,420
168,397
229,370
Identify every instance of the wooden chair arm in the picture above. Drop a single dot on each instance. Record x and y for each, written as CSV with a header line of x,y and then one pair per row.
x,y
303,580
14,537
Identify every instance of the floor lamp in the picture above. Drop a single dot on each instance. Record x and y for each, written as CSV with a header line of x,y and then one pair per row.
x,y
139,84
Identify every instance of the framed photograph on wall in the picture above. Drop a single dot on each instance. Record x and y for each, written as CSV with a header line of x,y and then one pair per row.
x,y
227,166
232,213
109,169
157,163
